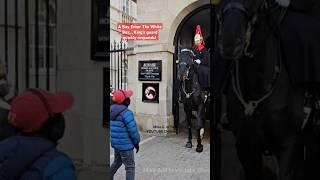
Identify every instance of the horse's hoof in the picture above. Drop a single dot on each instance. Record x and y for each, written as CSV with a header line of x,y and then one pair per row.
x,y
199,148
189,145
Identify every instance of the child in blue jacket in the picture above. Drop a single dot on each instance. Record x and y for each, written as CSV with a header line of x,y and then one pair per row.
x,y
124,135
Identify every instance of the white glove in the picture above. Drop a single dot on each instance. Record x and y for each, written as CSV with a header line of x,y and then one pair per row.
x,y
198,61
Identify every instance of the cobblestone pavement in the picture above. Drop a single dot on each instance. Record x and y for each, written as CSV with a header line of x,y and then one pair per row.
x,y
166,158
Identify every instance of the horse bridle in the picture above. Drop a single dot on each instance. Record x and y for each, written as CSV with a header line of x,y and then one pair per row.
x,y
188,95
251,22
184,63
188,50
253,104
238,6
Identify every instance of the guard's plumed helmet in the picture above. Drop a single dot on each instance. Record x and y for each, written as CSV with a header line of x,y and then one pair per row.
x,y
198,38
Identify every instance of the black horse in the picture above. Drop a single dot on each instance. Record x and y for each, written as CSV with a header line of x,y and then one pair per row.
x,y
191,95
264,110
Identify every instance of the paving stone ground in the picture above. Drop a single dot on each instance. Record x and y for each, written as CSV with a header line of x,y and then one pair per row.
x,y
166,158
161,158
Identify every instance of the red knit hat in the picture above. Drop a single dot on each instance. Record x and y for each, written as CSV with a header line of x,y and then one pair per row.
x,y
30,110
120,95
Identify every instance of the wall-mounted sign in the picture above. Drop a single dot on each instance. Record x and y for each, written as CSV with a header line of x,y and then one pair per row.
x,y
100,30
150,92
150,70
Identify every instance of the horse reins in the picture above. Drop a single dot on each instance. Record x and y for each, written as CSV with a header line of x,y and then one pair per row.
x,y
188,95
252,105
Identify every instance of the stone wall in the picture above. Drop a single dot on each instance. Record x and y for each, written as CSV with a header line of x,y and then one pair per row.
x,y
170,13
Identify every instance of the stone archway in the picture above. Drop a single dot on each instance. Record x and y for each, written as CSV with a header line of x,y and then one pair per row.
x,y
183,15
183,37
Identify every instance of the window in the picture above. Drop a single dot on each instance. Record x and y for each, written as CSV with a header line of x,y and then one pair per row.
x,y
125,6
42,37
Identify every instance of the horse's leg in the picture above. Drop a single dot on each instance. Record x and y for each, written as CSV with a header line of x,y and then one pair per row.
x,y
285,143
188,111
200,127
249,150
312,145
289,158
248,147
284,120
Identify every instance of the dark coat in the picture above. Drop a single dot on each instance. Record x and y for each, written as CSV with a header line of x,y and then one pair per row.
x,y
307,7
33,158
6,130
300,41
203,69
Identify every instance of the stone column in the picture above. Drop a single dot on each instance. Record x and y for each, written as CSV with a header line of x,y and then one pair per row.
x,y
85,139
155,118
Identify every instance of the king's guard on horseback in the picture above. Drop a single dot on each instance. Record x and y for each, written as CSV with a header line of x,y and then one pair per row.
x,y
193,86
202,58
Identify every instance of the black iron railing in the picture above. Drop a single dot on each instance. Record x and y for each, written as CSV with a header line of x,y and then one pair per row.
x,y
118,65
20,56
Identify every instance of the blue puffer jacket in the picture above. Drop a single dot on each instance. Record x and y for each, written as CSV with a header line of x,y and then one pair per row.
x,y
123,129
33,158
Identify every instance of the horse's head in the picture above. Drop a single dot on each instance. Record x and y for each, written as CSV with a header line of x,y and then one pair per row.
x,y
236,18
185,63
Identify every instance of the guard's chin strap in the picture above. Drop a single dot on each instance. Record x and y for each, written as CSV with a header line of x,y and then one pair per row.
x,y
200,47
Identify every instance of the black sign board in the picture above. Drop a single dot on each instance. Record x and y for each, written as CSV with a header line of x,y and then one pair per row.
x,y
100,30
106,98
150,92
150,70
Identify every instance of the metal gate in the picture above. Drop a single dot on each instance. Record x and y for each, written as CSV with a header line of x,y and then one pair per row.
x,y
28,42
118,65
